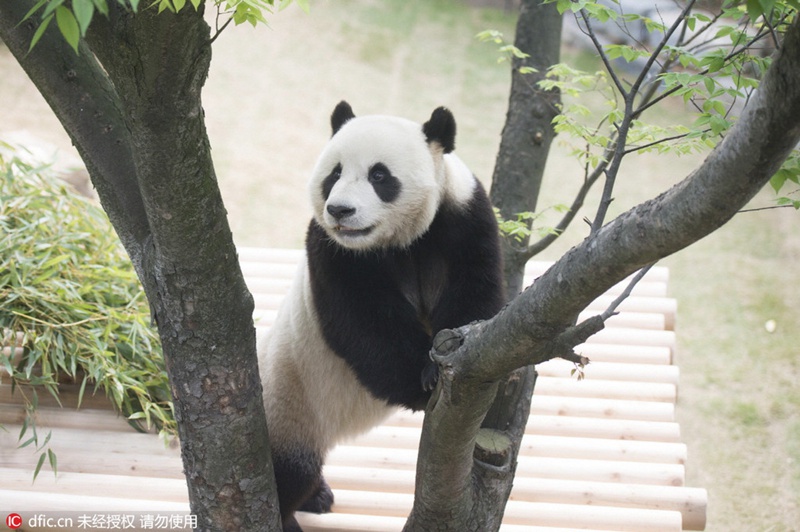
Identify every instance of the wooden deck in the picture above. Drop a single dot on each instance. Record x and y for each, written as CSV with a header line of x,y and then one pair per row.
x,y
604,453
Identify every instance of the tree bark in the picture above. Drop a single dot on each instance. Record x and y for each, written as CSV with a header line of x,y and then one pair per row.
x,y
536,326
528,131
519,169
138,123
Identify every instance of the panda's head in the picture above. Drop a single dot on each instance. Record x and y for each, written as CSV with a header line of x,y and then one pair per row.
x,y
380,179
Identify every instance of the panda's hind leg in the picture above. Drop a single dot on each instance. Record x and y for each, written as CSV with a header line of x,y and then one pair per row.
x,y
321,501
298,475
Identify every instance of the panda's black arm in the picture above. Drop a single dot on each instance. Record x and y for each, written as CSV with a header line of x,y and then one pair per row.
x,y
367,321
470,240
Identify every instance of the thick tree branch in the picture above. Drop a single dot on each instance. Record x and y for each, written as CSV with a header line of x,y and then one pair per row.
x,y
537,324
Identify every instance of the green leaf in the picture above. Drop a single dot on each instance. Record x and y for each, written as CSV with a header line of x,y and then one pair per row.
x,y
53,461
52,5
39,466
33,10
178,4
68,26
754,9
710,84
84,11
780,177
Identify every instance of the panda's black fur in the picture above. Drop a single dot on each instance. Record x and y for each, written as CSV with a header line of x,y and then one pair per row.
x,y
374,306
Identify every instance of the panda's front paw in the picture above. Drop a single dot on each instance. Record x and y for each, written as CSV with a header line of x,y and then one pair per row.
x,y
430,376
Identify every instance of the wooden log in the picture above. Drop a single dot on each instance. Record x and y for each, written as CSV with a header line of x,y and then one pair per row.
x,y
626,336
32,501
570,406
602,408
665,306
250,254
97,485
630,320
603,449
627,354
595,517
577,426
657,273
342,522
522,513
586,427
612,371
68,395
607,468
95,451
648,473
690,502
51,417
631,391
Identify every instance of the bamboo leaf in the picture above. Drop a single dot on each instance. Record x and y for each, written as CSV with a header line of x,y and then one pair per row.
x,y
53,461
39,466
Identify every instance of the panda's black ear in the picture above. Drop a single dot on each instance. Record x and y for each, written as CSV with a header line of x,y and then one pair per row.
x,y
341,114
441,128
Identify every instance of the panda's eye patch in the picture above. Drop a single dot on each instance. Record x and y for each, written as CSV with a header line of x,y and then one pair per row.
x,y
386,185
328,182
378,174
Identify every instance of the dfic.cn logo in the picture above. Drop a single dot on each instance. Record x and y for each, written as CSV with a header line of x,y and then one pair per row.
x,y
13,521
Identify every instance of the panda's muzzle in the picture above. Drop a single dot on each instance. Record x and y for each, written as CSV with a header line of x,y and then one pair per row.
x,y
340,213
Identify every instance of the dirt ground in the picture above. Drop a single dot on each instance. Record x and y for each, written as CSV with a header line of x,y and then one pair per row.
x,y
267,102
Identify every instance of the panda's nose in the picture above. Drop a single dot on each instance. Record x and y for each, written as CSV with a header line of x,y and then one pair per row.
x,y
340,211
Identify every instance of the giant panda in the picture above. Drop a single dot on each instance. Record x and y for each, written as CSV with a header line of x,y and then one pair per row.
x,y
403,243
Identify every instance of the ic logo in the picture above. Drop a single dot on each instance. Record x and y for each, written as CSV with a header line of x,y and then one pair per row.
x,y
13,521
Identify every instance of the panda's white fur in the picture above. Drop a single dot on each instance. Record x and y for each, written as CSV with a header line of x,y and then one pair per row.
x,y
312,397
386,268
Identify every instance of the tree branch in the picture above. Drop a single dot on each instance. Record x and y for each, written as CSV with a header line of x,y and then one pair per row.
x,y
85,102
537,323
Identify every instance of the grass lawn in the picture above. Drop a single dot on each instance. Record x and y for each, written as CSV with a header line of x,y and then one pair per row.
x,y
267,102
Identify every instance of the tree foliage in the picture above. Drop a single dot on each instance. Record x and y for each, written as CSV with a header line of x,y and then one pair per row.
x,y
711,61
73,18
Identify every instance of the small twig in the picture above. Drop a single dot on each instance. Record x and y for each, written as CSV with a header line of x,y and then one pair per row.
x,y
756,209
599,47
612,308
220,29
655,143
540,245
576,335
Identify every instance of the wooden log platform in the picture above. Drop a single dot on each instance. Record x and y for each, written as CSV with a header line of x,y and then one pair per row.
x,y
603,453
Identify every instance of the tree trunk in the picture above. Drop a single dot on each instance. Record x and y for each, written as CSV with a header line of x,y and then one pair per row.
x,y
137,121
519,169
528,131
